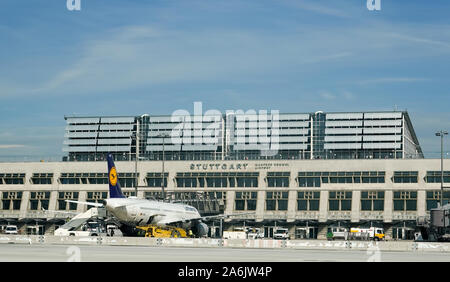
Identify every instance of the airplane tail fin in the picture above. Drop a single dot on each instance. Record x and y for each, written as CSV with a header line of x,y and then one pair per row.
x,y
114,185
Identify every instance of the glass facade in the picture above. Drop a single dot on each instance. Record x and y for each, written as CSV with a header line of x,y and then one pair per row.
x,y
356,135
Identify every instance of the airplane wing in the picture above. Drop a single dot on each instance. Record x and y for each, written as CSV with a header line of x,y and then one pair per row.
x,y
223,216
86,203
203,218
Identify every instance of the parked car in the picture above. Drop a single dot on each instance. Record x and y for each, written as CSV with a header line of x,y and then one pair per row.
x,y
11,230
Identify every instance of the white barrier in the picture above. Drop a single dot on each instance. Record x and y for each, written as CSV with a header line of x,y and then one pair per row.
x,y
228,243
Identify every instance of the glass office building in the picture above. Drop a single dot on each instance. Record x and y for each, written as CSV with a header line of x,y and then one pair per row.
x,y
319,135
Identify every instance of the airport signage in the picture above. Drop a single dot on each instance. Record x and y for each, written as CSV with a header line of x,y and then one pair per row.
x,y
219,166
262,166
235,166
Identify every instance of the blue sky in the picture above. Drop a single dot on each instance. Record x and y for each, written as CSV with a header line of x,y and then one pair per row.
x,y
157,56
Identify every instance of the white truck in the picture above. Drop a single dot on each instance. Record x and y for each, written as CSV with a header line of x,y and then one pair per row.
x,y
281,234
234,235
337,232
372,233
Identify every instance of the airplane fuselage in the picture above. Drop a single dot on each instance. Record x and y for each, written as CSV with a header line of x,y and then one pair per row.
x,y
139,212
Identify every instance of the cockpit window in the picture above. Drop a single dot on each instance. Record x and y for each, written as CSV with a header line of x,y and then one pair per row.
x,y
191,209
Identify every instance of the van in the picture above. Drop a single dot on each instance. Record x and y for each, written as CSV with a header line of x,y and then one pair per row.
x,y
11,230
281,234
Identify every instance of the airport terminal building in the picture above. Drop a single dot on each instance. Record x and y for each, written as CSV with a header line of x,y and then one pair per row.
x,y
305,171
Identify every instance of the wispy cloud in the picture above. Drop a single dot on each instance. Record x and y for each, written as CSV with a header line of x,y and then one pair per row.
x,y
313,7
11,146
393,80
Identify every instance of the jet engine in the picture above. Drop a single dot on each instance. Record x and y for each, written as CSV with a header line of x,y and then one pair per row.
x,y
200,229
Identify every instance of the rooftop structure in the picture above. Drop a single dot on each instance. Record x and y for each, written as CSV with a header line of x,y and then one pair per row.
x,y
243,136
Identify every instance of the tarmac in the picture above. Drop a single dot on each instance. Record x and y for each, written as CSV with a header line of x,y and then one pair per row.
x,y
108,253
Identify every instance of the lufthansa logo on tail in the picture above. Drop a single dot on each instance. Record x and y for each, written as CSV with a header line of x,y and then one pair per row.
x,y
113,176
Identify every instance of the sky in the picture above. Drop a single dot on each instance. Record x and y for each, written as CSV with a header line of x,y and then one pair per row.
x,y
116,57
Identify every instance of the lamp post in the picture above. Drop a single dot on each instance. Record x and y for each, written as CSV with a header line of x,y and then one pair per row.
x,y
163,136
441,134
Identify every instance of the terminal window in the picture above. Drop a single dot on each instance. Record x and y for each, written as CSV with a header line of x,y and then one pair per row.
x,y
278,179
83,178
315,179
405,176
277,201
11,200
129,193
308,201
127,179
96,197
12,178
339,201
39,200
63,196
217,179
42,178
434,197
245,200
155,179
435,177
405,200
372,200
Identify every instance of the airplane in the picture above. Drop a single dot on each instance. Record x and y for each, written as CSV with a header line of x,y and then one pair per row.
x,y
132,211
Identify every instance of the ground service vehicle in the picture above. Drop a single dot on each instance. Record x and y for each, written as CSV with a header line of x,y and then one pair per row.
x,y
337,232
11,230
281,234
161,231
234,235
372,233
255,233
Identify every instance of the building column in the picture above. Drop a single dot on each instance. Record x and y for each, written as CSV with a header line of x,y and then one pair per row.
x,y
52,201
356,207
388,205
323,206
260,205
82,196
421,203
230,203
292,203
24,204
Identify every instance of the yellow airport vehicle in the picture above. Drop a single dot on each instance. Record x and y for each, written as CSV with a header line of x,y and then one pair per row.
x,y
162,232
372,233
